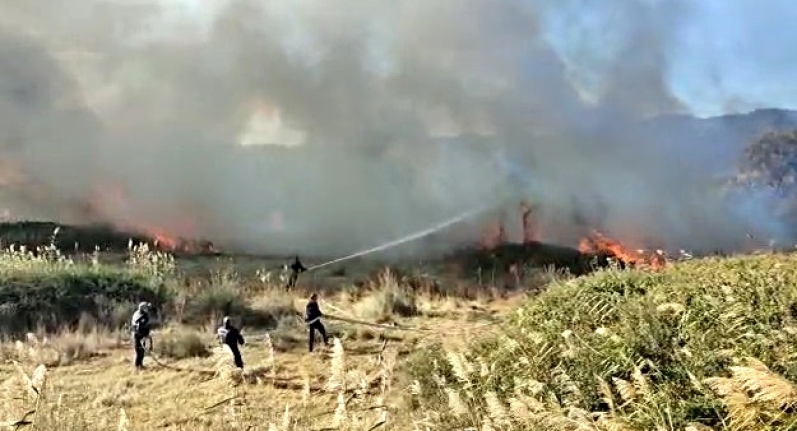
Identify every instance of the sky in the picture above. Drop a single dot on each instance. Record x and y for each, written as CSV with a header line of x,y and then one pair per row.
x,y
720,59
725,56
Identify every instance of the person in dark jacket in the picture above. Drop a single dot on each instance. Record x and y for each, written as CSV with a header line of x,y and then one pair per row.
x,y
296,269
231,336
140,326
312,316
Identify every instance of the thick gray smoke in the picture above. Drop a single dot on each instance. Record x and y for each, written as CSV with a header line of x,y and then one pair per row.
x,y
377,118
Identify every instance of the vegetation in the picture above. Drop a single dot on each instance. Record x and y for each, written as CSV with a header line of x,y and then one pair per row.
x,y
43,290
767,177
706,343
701,344
181,344
46,290
189,371
771,160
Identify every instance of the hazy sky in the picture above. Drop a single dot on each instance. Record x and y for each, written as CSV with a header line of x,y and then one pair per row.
x,y
723,56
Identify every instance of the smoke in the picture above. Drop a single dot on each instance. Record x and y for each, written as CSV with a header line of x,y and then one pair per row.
x,y
349,123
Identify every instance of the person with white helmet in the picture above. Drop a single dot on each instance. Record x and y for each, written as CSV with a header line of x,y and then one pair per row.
x,y
231,336
140,328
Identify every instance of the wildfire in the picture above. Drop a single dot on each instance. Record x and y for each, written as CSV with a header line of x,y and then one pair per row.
x,y
495,235
162,239
600,243
165,241
111,203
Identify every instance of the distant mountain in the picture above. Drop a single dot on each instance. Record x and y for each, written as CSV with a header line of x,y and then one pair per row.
x,y
716,141
713,143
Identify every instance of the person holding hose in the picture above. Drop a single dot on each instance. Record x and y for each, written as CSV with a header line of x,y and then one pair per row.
x,y
231,336
296,269
140,326
312,316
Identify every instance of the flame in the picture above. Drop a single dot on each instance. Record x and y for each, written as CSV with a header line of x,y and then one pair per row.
x,y
110,203
162,239
597,242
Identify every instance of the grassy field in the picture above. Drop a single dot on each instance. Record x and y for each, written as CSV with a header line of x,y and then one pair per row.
x,y
702,344
68,317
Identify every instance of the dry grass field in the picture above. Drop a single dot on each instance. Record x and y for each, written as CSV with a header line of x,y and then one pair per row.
x,y
705,344
81,376
206,392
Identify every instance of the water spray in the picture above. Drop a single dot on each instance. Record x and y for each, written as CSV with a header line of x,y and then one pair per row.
x,y
408,238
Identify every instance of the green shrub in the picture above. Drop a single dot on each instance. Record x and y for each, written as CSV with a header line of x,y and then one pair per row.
x,y
51,300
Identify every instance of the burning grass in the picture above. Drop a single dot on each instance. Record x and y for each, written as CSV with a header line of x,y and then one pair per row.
x,y
632,350
599,244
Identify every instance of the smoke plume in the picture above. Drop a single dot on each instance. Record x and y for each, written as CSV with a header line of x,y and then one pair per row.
x,y
324,127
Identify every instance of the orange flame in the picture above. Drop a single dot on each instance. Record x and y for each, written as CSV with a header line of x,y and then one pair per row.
x,y
111,203
600,243
162,239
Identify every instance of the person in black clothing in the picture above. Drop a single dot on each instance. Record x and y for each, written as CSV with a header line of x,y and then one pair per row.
x,y
312,316
140,328
231,336
296,269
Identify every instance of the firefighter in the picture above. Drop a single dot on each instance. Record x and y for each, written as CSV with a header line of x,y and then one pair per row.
x,y
140,328
312,316
231,336
296,269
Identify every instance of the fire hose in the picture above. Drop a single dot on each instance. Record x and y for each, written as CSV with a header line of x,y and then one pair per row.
x,y
148,345
407,238
395,326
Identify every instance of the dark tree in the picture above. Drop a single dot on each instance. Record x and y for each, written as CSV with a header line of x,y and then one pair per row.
x,y
771,161
768,168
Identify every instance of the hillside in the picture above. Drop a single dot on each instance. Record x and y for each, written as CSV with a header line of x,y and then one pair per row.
x,y
716,141
713,141
705,344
